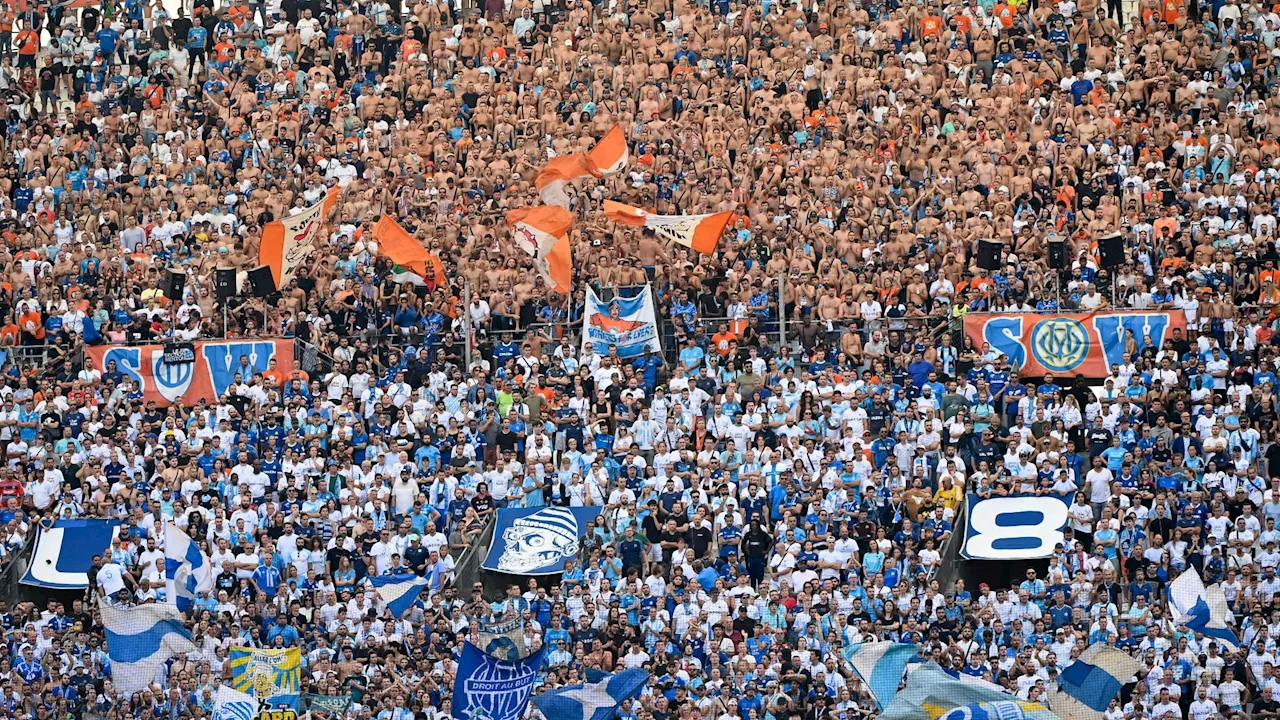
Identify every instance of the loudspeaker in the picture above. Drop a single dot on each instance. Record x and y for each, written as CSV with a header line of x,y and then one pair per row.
x,y
174,283
1111,250
225,282
1057,254
261,281
989,254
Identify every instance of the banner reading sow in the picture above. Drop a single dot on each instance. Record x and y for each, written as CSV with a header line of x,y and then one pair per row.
x,y
1082,343
212,372
536,541
1013,527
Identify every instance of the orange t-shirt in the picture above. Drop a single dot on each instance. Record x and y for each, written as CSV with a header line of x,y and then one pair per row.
x,y
1005,13
720,341
28,42
931,26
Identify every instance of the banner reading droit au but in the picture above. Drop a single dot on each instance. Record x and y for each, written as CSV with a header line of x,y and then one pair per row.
x,y
214,370
488,687
1080,343
628,324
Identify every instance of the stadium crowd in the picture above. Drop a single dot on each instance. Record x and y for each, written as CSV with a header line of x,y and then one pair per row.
x,y
767,504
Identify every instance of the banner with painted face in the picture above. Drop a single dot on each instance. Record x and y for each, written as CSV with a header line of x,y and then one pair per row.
x,y
537,541
215,368
1013,527
626,323
1078,343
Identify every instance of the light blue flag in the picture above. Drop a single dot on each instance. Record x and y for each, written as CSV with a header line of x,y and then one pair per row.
x,y
231,704
139,640
187,570
503,640
399,592
880,666
999,710
931,692
1201,609
1087,686
596,700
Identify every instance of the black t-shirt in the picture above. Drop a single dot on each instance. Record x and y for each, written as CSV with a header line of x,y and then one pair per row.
x,y
181,29
669,536
1273,461
700,540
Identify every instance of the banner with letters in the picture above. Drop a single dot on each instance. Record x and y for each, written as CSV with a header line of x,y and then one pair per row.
x,y
1013,527
64,553
1078,343
487,687
272,676
212,370
629,324
536,541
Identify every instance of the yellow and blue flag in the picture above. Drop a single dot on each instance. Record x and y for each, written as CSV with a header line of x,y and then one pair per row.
x,y
272,676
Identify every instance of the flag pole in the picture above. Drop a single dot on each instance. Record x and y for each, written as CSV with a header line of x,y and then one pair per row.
x,y
467,334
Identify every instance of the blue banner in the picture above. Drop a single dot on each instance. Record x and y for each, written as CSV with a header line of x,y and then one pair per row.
x,y
493,689
64,553
536,541
1013,527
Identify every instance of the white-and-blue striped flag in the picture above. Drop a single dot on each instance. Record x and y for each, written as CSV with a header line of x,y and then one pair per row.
x,y
232,704
140,639
597,699
186,568
1087,686
1201,609
881,666
399,591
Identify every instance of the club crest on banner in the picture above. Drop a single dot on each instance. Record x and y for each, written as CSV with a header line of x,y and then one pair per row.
x,y
488,688
1060,344
209,376
172,380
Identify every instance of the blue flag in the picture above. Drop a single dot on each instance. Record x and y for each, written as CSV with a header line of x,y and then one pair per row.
x,y
596,700
493,689
399,592
932,692
537,541
503,640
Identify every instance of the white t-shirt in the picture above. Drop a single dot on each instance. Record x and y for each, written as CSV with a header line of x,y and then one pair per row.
x,y
1099,482
111,578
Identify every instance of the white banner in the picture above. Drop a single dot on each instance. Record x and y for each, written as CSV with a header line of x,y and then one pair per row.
x,y
628,324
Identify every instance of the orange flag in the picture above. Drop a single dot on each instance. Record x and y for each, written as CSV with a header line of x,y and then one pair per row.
x,y
543,233
287,242
403,249
609,156
700,232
